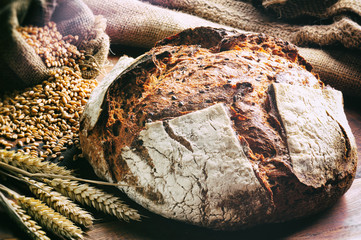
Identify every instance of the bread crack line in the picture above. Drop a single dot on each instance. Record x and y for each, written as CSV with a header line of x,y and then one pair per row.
x,y
177,138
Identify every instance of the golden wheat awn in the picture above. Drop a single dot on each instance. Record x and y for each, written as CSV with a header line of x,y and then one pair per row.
x,y
46,216
91,196
32,164
18,171
60,203
50,219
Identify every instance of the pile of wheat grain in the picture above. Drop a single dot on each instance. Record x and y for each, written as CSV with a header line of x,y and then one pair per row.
x,y
44,120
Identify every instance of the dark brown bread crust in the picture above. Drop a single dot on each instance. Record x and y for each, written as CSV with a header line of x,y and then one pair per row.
x,y
194,70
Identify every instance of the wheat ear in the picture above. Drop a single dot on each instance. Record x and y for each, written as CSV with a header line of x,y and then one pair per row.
x,y
91,196
46,216
60,203
34,167
31,224
32,164
50,219
23,220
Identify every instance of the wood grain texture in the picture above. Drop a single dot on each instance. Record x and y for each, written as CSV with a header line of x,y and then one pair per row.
x,y
343,221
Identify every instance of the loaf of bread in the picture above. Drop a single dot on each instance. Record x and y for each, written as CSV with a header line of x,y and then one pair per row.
x,y
221,129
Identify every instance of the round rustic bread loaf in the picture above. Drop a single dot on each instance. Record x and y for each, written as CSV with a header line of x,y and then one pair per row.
x,y
221,129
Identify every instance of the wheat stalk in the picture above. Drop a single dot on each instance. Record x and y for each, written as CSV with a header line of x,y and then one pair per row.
x,y
60,203
23,166
23,220
46,216
32,164
91,196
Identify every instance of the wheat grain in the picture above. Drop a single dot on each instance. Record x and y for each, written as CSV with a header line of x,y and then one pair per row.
x,y
51,46
47,112
91,196
60,203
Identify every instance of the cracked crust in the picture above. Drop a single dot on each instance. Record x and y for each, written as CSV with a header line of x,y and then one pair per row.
x,y
198,184
203,129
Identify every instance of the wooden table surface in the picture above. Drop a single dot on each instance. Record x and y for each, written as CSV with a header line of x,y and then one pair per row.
x,y
342,221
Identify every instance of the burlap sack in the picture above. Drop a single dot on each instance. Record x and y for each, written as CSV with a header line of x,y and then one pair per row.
x,y
135,23
321,9
20,66
243,15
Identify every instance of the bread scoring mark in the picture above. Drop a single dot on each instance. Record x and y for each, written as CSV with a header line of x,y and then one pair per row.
x,y
141,177
347,140
179,139
151,193
108,146
143,152
93,108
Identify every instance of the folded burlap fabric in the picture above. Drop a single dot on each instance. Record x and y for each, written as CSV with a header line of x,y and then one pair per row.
x,y
322,9
139,24
245,16
20,65
327,32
